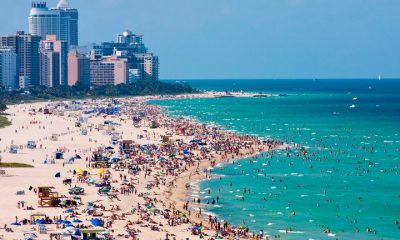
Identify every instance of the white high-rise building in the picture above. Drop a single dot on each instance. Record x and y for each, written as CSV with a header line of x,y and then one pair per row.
x,y
8,68
61,21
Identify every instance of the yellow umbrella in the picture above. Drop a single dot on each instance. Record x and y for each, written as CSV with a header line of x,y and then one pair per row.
x,y
79,171
101,171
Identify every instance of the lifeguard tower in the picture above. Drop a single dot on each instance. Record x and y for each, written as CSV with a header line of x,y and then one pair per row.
x,y
48,197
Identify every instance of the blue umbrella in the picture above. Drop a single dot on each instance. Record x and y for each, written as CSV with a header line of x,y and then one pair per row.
x,y
69,211
96,222
57,175
60,221
76,232
69,225
77,221
67,222
40,221
16,224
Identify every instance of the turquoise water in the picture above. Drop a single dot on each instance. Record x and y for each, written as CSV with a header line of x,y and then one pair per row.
x,y
350,178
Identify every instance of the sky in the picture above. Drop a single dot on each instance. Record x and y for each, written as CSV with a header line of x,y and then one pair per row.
x,y
244,39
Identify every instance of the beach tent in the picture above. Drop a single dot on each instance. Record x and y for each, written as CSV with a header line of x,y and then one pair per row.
x,y
57,175
14,149
96,222
84,132
31,145
59,155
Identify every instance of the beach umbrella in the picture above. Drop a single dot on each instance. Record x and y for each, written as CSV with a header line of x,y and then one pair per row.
x,y
79,171
90,181
76,232
69,211
60,221
76,221
16,224
57,175
72,159
69,229
101,171
69,225
40,221
96,222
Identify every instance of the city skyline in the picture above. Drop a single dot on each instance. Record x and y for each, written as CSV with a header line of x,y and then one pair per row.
x,y
50,52
231,39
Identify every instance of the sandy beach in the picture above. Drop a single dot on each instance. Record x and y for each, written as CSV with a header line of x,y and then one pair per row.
x,y
147,181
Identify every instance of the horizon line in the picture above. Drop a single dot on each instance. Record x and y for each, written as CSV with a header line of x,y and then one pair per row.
x,y
315,79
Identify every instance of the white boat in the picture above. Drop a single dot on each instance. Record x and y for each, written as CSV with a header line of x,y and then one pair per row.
x,y
355,98
352,106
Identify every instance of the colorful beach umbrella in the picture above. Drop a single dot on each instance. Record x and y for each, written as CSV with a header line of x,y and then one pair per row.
x,y
40,221
79,171
101,171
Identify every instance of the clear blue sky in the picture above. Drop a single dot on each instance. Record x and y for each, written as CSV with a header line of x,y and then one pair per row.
x,y
246,38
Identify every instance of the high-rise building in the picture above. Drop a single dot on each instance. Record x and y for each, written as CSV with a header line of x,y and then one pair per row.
x,y
61,21
108,71
26,47
146,65
142,65
8,68
78,68
62,48
49,64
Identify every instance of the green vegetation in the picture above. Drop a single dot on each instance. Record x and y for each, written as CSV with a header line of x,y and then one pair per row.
x,y
15,165
4,122
139,88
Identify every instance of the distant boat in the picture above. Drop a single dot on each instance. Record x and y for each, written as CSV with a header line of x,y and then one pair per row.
x,y
379,77
355,98
352,106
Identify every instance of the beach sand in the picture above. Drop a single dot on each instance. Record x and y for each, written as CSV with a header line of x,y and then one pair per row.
x,y
40,128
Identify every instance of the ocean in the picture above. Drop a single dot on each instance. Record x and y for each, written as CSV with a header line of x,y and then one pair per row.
x,y
348,185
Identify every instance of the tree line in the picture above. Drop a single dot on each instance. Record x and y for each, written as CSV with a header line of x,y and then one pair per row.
x,y
138,88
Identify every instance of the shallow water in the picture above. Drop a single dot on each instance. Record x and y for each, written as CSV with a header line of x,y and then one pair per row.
x,y
350,180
